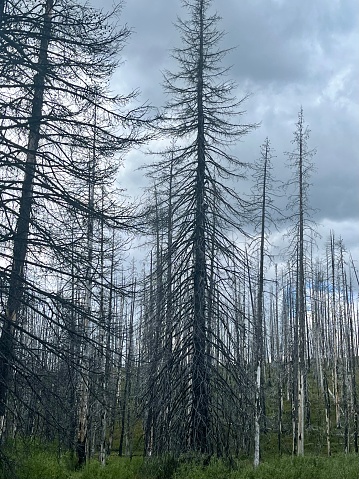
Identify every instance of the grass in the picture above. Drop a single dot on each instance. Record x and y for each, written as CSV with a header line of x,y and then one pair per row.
x,y
36,463
307,467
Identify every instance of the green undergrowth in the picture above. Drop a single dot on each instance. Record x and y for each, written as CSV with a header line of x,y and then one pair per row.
x,y
309,467
32,461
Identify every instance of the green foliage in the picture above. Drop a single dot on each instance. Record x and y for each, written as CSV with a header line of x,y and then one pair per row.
x,y
30,460
286,467
216,469
159,467
42,465
116,468
307,467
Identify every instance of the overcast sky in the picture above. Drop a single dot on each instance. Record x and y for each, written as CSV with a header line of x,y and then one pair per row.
x,y
287,53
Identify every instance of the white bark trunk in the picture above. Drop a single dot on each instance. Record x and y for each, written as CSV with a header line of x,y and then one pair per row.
x,y
301,414
257,418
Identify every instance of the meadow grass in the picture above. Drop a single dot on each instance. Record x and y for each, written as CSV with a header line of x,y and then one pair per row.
x,y
33,461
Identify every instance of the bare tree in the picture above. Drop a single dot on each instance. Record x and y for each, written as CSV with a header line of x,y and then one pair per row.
x,y
300,233
205,214
54,76
263,200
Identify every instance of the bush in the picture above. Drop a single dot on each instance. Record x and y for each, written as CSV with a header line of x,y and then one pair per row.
x,y
158,467
24,459
42,465
196,469
116,468
307,467
31,460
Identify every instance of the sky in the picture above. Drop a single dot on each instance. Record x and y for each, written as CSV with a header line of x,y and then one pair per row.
x,y
286,54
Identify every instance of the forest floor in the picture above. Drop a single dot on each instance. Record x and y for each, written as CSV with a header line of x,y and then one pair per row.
x,y
45,465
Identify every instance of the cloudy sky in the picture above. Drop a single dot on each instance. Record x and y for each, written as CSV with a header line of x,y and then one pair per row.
x,y
287,53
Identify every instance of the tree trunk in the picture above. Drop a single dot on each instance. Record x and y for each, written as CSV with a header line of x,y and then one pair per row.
x,y
21,237
200,378
259,397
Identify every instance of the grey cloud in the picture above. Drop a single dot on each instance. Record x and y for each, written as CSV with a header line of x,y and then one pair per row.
x,y
288,53
283,42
